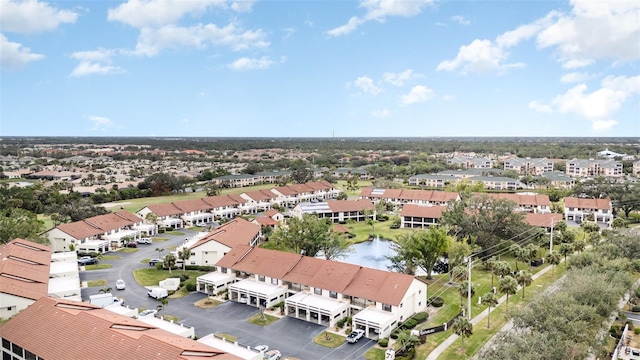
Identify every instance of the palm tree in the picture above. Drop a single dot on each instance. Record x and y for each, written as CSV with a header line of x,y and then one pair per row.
x,y
517,252
524,279
160,251
509,286
184,254
491,300
462,327
490,265
553,259
531,252
464,291
579,245
169,261
105,290
406,341
501,268
566,249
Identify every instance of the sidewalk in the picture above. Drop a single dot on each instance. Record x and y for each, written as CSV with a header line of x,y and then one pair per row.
x,y
480,317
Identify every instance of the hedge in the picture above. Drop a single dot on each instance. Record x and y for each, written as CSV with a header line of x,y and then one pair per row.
x,y
436,302
384,342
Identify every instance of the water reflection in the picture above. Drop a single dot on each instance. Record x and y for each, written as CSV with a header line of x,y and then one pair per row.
x,y
371,254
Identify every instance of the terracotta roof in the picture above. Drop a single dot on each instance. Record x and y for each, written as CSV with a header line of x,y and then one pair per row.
x,y
523,199
354,280
99,224
319,185
51,328
261,195
543,220
271,212
232,233
286,190
224,200
580,203
430,212
410,195
164,209
254,260
265,221
192,205
341,228
24,269
350,205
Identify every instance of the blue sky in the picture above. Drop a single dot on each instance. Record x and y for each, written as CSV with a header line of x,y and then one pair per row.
x,y
319,68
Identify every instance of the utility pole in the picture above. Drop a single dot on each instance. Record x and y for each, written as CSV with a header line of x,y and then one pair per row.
x,y
469,289
551,239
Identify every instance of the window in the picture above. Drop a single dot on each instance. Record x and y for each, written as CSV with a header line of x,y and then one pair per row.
x,y
317,291
224,270
274,281
386,307
333,294
261,278
6,344
401,304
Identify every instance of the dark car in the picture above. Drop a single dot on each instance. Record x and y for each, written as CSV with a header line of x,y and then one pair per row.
x,y
131,245
152,262
87,260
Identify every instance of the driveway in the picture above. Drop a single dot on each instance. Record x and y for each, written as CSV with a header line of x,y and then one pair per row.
x,y
293,337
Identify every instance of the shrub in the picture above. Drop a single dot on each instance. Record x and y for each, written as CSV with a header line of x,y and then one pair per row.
x,y
200,268
161,231
394,334
408,355
436,302
636,331
409,324
384,342
159,266
171,292
191,287
183,277
421,317
615,331
636,308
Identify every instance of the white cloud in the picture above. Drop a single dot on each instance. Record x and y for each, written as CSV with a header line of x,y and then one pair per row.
x,y
418,94
524,32
448,97
242,6
461,20
14,56
599,105
367,86
576,63
378,10
157,13
595,30
246,63
398,79
574,77
534,105
478,57
32,16
288,32
381,114
151,41
94,62
100,123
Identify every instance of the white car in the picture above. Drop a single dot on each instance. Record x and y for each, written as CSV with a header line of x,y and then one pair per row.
x,y
148,312
262,348
355,335
120,284
144,241
272,355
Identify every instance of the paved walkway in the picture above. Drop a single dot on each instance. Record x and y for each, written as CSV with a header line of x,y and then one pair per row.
x,y
480,317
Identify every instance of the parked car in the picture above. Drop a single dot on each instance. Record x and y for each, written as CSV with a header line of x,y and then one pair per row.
x,y
120,284
131,245
272,355
144,240
262,348
355,335
158,293
148,312
87,260
152,262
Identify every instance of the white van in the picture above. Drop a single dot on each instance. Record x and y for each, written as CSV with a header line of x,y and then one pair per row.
x,y
158,293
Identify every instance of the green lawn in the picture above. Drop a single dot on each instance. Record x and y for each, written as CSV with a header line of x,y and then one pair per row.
x,y
151,277
128,250
96,283
260,321
48,223
160,239
98,267
362,230
180,233
329,340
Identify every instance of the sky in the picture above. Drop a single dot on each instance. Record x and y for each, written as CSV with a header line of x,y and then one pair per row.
x,y
305,68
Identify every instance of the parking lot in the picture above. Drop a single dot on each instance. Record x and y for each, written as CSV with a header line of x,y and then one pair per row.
x,y
293,337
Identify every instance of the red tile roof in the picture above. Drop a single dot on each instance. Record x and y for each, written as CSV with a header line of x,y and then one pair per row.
x,y
410,195
192,205
265,221
350,205
319,185
232,233
24,269
224,200
167,209
261,195
354,280
99,224
543,220
428,212
52,328
594,204
341,229
271,212
523,199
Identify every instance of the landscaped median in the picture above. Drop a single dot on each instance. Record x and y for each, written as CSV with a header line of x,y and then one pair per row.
x,y
152,277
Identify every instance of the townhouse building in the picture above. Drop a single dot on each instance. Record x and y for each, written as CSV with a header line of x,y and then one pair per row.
x,y
235,180
579,210
30,271
51,329
225,206
399,197
258,200
414,216
432,180
594,167
529,166
322,291
556,179
209,248
471,162
337,210
99,233
545,221
534,203
498,182
166,215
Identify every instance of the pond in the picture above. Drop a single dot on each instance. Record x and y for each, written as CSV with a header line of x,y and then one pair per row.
x,y
372,254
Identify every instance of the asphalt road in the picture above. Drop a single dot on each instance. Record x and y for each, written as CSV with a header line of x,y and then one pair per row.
x,y
293,337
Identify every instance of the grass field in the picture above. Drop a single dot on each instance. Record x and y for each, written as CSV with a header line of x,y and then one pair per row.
x,y
152,276
329,340
98,267
96,283
258,320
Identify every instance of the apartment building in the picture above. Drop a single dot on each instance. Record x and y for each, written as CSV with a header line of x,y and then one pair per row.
x,y
594,167
471,162
529,166
579,210
399,197
337,210
419,217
